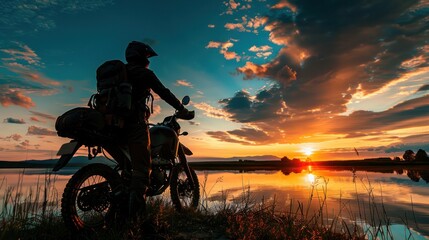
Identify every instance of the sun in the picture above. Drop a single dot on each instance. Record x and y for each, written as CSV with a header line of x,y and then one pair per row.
x,y
307,151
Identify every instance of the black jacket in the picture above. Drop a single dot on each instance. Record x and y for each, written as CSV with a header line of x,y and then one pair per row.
x,y
142,79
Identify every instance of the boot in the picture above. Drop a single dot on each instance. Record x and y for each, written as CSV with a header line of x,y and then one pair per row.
x,y
137,204
138,188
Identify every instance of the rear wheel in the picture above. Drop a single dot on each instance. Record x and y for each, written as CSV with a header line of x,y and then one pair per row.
x,y
184,194
87,201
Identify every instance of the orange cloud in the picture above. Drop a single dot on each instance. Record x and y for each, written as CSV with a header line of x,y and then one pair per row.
x,y
31,74
211,111
23,52
232,26
285,4
247,25
15,137
252,70
10,97
264,48
213,44
33,130
35,119
224,46
183,83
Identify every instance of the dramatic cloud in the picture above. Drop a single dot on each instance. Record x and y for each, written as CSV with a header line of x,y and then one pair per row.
x,y
225,137
252,135
34,76
413,142
324,61
22,60
284,74
410,113
14,120
331,55
10,97
211,111
33,130
424,88
277,123
266,105
183,83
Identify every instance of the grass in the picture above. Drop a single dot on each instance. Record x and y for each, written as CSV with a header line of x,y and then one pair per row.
x,y
35,215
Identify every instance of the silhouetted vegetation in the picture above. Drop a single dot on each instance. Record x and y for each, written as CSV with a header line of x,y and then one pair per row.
x,y
36,216
420,156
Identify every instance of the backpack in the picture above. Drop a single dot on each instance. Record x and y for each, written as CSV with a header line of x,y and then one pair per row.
x,y
113,96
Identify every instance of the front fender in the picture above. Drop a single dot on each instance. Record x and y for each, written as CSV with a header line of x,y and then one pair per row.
x,y
186,150
66,151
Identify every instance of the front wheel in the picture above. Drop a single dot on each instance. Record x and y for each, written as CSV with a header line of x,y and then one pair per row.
x,y
87,200
184,194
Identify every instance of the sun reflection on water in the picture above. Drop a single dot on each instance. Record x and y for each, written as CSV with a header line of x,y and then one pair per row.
x,y
311,178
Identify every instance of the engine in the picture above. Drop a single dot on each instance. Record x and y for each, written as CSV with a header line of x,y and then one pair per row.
x,y
159,161
158,178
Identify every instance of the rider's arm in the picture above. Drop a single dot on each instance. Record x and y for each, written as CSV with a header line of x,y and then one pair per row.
x,y
166,95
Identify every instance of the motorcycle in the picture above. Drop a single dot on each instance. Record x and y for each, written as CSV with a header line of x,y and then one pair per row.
x,y
97,194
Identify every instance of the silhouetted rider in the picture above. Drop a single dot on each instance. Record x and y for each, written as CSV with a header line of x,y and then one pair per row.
x,y
136,126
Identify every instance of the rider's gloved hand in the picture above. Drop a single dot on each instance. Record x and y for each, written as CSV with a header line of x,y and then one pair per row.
x,y
185,114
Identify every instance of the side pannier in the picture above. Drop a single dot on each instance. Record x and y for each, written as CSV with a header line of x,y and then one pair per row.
x,y
80,123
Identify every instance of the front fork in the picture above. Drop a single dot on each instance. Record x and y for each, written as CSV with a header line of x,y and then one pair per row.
x,y
184,163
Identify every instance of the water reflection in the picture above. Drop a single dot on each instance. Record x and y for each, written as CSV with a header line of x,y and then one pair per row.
x,y
414,173
394,196
362,195
311,178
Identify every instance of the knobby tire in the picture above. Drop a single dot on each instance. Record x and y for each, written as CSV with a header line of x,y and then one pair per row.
x,y
69,199
175,189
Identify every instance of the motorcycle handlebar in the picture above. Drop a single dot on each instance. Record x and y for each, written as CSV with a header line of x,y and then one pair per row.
x,y
189,115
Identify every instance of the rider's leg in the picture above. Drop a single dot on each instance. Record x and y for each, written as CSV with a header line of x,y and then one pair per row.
x,y
139,148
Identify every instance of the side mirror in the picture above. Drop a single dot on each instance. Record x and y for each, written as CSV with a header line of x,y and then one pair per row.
x,y
186,100
184,133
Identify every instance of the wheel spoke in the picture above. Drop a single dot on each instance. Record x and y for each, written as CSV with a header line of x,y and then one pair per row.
x,y
87,197
183,193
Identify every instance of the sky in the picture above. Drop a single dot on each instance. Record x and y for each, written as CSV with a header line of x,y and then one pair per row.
x,y
308,79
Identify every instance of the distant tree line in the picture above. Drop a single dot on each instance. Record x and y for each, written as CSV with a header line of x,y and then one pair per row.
x,y
420,156
409,156
288,160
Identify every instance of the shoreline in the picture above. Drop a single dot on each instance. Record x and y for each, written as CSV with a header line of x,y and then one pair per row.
x,y
250,164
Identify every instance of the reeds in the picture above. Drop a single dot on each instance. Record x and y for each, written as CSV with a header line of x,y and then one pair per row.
x,y
34,210
34,214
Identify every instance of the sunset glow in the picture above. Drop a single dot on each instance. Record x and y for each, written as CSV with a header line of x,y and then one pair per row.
x,y
267,78
307,151
310,178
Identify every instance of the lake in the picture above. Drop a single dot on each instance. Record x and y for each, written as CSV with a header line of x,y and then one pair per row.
x,y
368,197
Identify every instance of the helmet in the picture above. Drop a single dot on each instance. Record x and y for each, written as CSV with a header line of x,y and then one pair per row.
x,y
139,51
